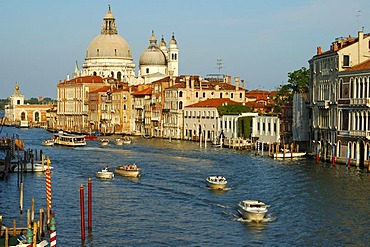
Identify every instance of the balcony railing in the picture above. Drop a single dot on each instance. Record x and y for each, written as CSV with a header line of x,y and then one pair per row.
x,y
360,102
323,104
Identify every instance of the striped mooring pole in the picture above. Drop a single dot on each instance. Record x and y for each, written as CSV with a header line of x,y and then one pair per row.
x,y
48,188
53,232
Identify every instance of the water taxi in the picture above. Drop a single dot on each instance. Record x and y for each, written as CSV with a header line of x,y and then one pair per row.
x,y
104,142
128,170
252,210
105,173
216,182
71,140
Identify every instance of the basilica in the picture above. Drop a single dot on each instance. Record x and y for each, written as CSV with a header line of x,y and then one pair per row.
x,y
109,55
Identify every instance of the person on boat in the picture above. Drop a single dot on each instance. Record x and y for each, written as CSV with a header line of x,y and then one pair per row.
x,y
107,169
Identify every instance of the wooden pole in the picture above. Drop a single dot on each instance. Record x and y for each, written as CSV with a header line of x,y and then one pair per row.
x,y
14,227
21,198
33,210
6,237
82,212
28,217
89,206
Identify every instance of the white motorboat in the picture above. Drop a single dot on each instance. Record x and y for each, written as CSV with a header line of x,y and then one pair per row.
x,y
252,210
105,173
118,141
216,182
36,167
288,154
48,142
128,170
70,140
127,140
104,142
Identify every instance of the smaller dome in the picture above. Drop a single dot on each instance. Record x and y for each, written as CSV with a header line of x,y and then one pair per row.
x,y
173,40
163,43
153,56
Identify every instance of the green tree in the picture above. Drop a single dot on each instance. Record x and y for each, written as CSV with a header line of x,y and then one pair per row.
x,y
232,109
298,82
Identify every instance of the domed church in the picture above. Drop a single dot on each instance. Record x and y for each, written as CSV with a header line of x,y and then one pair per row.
x,y
109,55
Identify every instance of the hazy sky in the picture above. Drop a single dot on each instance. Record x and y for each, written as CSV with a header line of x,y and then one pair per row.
x,y
258,41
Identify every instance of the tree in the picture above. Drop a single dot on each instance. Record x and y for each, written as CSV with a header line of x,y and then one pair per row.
x,y
232,109
298,82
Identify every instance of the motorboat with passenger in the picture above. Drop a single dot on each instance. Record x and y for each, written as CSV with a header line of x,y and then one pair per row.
x,y
105,173
118,141
253,210
49,142
128,170
104,142
216,182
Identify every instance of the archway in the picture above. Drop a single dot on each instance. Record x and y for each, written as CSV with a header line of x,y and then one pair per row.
x,y
361,147
37,117
23,116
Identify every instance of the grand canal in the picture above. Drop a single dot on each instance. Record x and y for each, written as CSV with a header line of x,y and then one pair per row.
x,y
311,204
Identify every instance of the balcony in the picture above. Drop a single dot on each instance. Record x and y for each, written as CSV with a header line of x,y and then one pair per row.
x,y
323,104
360,102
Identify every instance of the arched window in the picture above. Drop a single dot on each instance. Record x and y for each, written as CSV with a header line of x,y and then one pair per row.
x,y
119,76
23,116
180,94
37,116
95,74
180,105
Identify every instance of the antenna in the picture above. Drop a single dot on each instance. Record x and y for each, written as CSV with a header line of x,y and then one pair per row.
x,y
358,17
219,65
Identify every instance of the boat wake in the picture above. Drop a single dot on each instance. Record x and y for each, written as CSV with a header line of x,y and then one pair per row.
x,y
268,218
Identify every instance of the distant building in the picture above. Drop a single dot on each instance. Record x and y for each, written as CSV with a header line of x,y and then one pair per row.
x,y
26,115
266,129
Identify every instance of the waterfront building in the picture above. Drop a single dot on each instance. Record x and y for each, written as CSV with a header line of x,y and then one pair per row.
x,y
25,115
202,120
344,53
354,115
142,110
300,118
121,109
189,90
266,129
73,103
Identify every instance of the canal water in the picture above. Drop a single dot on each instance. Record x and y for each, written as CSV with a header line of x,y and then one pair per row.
x,y
311,204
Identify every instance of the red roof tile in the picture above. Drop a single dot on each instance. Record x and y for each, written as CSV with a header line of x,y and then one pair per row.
x,y
145,91
214,103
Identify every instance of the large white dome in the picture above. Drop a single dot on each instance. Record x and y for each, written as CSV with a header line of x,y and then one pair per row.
x,y
108,46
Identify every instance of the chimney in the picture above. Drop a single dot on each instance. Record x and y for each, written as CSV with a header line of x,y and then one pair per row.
x,y
171,77
187,78
335,46
360,46
319,50
236,83
242,84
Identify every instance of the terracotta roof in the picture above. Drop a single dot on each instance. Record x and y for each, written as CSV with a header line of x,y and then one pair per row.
x,y
84,79
145,91
362,66
214,103
101,89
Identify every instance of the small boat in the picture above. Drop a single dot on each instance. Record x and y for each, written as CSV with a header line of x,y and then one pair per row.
x,y
37,167
126,140
128,170
104,142
252,210
105,173
288,154
48,142
91,137
216,182
22,242
118,141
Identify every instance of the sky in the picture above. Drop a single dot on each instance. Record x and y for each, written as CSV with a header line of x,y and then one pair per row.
x,y
258,41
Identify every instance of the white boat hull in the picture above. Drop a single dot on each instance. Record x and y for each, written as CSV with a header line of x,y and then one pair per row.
x,y
252,210
216,182
37,167
253,216
105,175
288,155
127,172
